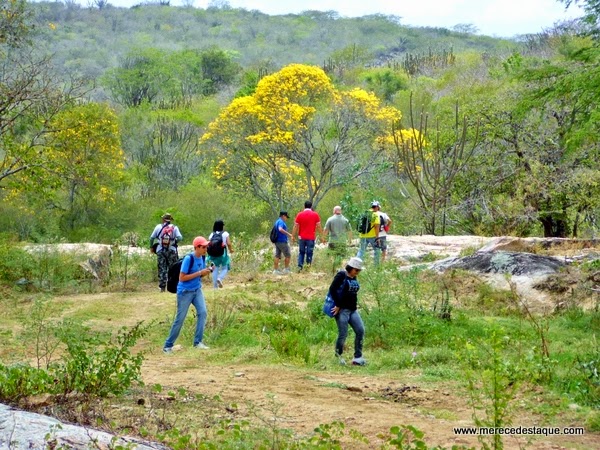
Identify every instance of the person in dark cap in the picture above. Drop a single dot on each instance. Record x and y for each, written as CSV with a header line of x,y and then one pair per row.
x,y
282,245
167,236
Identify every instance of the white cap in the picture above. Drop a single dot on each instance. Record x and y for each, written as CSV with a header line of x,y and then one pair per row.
x,y
356,263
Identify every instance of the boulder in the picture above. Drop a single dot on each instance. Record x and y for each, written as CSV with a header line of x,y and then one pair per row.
x,y
500,262
25,430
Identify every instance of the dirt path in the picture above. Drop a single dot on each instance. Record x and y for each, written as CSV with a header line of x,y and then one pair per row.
x,y
370,404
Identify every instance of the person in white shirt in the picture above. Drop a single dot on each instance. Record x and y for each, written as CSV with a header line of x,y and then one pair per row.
x,y
384,226
222,262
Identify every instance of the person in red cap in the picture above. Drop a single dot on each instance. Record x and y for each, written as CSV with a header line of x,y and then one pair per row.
x,y
189,292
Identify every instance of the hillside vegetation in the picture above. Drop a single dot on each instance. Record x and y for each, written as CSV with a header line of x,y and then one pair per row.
x,y
112,116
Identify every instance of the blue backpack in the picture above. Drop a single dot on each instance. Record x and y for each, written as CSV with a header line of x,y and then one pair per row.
x,y
329,304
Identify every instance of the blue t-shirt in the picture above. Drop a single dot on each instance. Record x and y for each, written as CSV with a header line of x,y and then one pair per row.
x,y
281,237
194,283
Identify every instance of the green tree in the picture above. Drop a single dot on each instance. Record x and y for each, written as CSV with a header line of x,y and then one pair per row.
x,y
161,148
386,82
431,160
140,78
218,69
592,13
169,79
561,102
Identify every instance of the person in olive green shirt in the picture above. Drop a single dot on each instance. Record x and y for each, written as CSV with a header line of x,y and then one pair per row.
x,y
339,231
371,237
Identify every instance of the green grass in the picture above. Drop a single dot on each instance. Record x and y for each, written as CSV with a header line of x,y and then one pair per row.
x,y
268,321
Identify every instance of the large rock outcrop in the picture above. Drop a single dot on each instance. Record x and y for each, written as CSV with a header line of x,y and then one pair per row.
x,y
500,262
25,430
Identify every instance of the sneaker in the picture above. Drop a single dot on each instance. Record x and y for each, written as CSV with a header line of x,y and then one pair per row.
x,y
168,350
286,271
201,346
359,361
340,359
162,289
219,283
277,272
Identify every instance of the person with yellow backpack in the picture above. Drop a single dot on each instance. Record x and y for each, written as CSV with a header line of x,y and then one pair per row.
x,y
368,229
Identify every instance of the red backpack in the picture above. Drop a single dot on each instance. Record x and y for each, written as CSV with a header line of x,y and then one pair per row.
x,y
167,236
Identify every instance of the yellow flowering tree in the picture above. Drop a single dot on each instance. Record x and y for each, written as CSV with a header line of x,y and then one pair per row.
x,y
87,159
297,137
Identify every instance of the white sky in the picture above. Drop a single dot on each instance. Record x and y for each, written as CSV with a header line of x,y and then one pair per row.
x,y
502,18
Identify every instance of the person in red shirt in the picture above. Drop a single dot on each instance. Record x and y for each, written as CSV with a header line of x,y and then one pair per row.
x,y
305,227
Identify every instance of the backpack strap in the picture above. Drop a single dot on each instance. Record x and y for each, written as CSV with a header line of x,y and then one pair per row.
x,y
192,261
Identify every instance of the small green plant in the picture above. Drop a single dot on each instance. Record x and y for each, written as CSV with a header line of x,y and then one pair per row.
x,y
40,329
99,367
21,380
409,437
584,379
90,365
492,382
468,251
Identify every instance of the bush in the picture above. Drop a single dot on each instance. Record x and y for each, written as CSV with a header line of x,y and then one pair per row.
x,y
92,365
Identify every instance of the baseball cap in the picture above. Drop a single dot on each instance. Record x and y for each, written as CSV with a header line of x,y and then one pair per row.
x,y
375,203
200,241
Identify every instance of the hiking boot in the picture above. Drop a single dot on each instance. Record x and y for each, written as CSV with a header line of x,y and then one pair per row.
x,y
201,346
277,272
219,283
359,361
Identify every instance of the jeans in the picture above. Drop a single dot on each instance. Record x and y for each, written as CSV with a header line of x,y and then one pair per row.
x,y
343,318
219,274
364,243
305,247
184,300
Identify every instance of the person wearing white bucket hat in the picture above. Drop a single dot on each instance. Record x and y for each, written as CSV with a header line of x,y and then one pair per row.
x,y
344,292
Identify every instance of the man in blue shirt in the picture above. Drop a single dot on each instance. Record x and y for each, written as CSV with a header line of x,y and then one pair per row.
x,y
189,292
282,245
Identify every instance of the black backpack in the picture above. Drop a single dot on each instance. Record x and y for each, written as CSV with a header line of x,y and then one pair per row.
x,y
364,223
215,245
274,233
173,274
